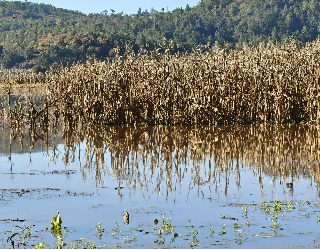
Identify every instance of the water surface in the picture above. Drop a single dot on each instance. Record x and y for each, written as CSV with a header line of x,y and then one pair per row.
x,y
216,187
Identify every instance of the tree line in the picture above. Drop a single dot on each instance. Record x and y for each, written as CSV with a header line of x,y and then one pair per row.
x,y
41,34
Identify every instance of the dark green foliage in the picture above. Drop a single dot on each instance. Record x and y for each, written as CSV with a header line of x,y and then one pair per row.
x,y
40,34
38,69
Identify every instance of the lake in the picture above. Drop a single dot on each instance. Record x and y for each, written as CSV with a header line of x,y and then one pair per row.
x,y
181,187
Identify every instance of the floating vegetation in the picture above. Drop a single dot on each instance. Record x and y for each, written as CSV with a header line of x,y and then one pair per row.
x,y
269,83
99,229
20,236
230,234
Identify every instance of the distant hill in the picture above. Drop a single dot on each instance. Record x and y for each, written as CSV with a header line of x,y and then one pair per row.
x,y
40,34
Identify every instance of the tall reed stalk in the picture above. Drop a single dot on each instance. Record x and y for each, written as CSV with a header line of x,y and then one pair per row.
x,y
269,83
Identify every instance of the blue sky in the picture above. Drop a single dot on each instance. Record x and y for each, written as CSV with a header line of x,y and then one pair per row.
x,y
127,6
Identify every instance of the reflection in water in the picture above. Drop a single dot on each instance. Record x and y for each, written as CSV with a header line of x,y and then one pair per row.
x,y
156,159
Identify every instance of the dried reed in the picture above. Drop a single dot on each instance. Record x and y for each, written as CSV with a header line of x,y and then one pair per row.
x,y
270,83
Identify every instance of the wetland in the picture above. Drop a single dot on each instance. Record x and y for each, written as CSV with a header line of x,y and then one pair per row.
x,y
252,186
213,149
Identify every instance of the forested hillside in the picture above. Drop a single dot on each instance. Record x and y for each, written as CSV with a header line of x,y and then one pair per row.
x,y
39,34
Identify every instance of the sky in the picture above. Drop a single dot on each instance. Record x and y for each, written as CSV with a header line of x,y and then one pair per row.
x,y
127,6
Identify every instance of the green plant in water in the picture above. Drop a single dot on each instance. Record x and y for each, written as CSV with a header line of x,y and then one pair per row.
x,y
164,230
239,240
133,238
58,234
276,206
160,231
41,245
195,241
116,230
23,234
222,232
212,231
194,234
160,241
127,240
245,210
82,243
99,230
56,223
306,202
288,207
275,224
88,245
265,206
175,235
166,227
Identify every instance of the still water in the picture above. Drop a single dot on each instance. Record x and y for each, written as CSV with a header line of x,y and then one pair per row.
x,y
203,187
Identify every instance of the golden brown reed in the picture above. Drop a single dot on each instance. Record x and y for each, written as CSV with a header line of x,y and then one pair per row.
x,y
269,83
19,77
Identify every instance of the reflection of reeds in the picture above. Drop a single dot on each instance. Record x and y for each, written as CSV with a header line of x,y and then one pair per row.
x,y
265,84
155,157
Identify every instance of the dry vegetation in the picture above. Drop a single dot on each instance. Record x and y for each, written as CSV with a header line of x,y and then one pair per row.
x,y
271,83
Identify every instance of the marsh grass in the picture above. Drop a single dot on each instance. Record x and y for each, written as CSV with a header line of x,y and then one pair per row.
x,y
269,83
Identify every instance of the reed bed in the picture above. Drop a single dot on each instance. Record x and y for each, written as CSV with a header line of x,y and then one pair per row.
x,y
269,83
19,77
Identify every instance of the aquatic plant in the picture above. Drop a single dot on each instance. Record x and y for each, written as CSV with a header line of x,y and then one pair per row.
x,y
22,234
166,228
99,229
56,222
116,230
